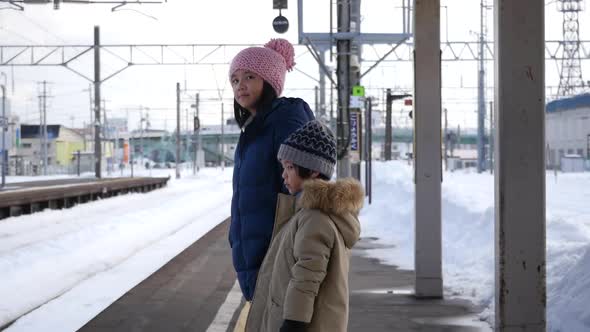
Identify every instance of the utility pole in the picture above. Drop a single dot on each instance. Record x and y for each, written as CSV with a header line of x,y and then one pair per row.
x,y
481,106
178,130
43,127
369,150
4,124
105,128
97,82
446,138
45,136
491,144
187,138
322,88
389,99
343,49
388,129
317,103
354,80
222,145
141,119
91,123
197,132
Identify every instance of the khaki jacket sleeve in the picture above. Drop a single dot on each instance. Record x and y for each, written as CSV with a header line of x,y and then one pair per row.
x,y
312,246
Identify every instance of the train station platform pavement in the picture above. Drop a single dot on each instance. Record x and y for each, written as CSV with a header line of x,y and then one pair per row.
x,y
197,291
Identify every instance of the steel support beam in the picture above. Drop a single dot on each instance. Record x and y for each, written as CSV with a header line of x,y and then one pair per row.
x,y
97,125
343,49
427,145
520,165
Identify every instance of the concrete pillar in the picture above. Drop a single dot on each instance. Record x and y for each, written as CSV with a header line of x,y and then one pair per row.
x,y
427,142
520,171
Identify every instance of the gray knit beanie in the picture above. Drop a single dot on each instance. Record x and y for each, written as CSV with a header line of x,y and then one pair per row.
x,y
312,146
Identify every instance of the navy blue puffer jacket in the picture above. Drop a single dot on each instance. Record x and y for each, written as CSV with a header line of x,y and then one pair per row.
x,y
257,181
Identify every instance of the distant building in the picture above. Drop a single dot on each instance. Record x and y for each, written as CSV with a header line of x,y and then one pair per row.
x,y
62,145
567,129
461,159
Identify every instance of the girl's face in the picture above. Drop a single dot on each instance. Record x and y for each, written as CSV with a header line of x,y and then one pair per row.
x,y
293,181
247,87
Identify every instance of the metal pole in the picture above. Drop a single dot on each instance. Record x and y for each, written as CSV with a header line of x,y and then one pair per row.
x,y
491,143
40,134
78,164
322,86
45,138
343,48
4,126
186,138
317,107
105,129
91,123
97,143
481,107
141,135
222,138
446,138
178,130
197,133
199,142
388,129
369,150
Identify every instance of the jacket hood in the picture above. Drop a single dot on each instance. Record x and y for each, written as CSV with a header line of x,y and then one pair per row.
x,y
342,199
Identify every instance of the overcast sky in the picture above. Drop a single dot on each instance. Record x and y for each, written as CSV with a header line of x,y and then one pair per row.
x,y
224,22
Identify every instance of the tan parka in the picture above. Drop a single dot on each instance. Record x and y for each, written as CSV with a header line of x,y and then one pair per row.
x,y
304,276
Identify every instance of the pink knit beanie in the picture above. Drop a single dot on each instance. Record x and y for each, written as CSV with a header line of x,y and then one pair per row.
x,y
271,62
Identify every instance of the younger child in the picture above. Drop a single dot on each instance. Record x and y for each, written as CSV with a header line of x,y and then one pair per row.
x,y
303,281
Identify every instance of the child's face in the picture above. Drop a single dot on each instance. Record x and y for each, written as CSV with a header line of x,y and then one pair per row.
x,y
293,181
247,87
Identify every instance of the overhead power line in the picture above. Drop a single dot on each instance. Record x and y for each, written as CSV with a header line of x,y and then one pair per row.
x,y
20,4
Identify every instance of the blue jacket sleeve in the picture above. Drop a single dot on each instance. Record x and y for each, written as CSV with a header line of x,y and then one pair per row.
x,y
291,120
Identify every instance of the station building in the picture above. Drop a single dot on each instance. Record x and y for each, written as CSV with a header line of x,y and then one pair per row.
x,y
567,129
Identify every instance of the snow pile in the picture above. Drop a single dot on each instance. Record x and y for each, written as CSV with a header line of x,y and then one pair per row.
x,y
48,254
468,237
569,297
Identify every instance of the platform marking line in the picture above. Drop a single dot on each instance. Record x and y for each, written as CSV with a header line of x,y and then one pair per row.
x,y
226,311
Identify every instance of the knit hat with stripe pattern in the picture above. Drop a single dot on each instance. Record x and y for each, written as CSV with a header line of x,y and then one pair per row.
x,y
312,146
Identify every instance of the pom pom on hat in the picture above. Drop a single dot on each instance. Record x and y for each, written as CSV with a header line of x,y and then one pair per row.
x,y
285,49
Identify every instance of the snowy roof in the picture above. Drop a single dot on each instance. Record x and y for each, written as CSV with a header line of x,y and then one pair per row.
x,y
582,100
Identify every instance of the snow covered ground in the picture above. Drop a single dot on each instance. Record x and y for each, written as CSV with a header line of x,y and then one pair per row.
x,y
61,268
468,237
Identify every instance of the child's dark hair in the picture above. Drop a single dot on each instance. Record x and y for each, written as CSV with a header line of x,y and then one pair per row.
x,y
268,95
305,173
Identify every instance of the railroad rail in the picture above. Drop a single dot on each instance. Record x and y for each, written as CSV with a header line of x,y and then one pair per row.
x,y
30,200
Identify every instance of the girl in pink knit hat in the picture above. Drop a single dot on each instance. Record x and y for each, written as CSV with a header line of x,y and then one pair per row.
x,y
257,76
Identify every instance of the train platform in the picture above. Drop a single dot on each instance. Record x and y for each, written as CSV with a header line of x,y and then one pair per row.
x,y
45,183
197,291
30,197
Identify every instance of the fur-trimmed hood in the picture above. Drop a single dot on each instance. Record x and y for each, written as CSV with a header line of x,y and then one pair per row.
x,y
342,199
